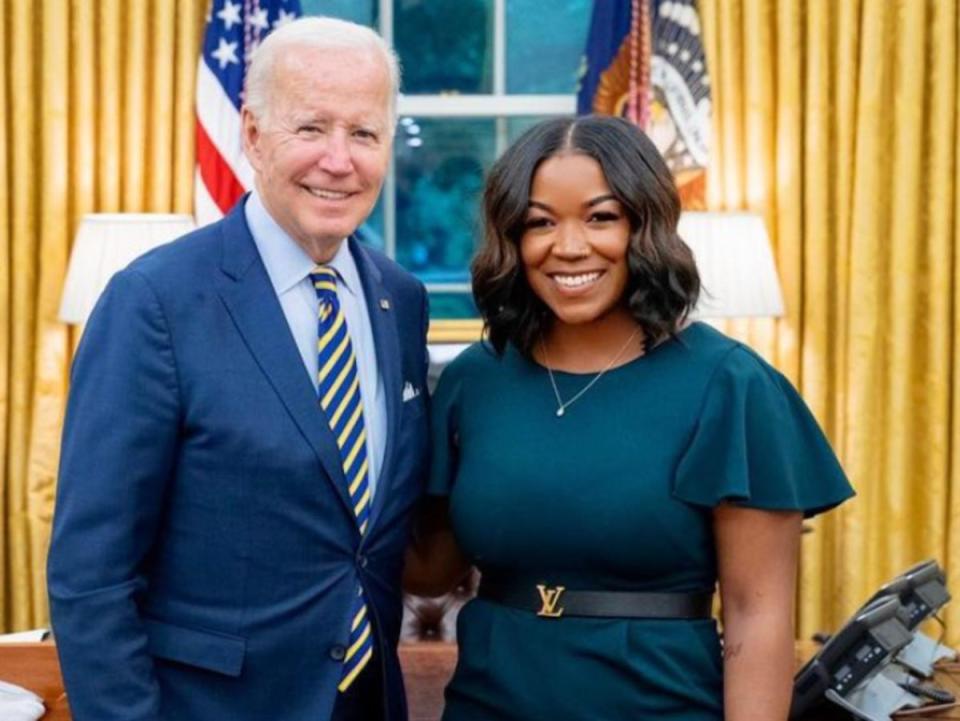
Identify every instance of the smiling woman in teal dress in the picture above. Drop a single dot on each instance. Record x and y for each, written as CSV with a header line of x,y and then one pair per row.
x,y
606,464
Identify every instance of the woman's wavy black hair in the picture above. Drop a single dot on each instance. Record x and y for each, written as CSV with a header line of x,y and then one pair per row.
x,y
663,284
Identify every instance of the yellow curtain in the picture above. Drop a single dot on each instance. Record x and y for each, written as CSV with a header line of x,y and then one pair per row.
x,y
839,121
98,117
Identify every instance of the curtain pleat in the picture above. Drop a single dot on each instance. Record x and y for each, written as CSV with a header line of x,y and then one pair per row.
x,y
941,208
953,494
159,150
806,198
135,110
6,299
109,34
953,497
186,42
27,180
50,359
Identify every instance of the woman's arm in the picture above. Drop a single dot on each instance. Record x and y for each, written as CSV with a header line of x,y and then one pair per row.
x,y
757,555
434,562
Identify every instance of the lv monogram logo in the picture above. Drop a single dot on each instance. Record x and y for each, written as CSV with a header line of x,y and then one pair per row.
x,y
549,597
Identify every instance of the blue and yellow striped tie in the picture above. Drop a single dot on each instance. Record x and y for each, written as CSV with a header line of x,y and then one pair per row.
x,y
338,386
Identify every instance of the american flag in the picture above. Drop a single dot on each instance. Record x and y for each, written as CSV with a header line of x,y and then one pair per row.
x,y
234,29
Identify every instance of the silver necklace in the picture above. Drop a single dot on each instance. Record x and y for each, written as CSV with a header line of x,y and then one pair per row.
x,y
561,404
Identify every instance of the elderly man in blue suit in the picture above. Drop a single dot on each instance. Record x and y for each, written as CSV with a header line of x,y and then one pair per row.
x,y
247,430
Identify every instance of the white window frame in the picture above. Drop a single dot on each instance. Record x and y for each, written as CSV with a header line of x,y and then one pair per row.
x,y
497,105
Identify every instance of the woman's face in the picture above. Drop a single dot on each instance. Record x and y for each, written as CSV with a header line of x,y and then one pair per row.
x,y
575,239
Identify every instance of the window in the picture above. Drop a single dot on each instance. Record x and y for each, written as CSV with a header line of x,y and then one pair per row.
x,y
476,74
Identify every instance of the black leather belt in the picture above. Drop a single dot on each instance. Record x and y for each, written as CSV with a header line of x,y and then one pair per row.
x,y
556,601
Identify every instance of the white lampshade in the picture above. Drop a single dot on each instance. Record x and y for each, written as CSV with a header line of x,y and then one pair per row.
x,y
737,274
106,243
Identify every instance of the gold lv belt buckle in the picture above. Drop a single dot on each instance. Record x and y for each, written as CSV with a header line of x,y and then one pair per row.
x,y
549,598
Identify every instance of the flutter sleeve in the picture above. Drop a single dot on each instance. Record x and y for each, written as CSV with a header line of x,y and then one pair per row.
x,y
756,444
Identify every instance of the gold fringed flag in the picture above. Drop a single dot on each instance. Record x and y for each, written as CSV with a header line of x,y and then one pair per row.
x,y
644,61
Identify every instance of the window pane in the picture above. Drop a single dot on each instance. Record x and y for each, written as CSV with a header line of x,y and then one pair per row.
x,y
545,45
445,46
371,232
440,166
445,306
518,125
363,12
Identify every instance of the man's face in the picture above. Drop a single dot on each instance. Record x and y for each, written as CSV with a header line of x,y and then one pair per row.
x,y
321,152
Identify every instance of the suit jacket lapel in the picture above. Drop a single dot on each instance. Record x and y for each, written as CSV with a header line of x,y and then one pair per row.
x,y
252,303
380,307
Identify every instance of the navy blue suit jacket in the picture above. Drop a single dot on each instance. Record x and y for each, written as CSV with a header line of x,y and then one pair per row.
x,y
204,554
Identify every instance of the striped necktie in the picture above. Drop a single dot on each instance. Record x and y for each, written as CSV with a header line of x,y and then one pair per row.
x,y
338,387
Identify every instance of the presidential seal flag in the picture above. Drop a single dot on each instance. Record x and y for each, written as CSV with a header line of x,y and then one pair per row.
x,y
233,31
644,61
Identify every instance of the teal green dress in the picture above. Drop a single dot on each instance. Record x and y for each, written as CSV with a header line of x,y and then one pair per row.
x,y
615,495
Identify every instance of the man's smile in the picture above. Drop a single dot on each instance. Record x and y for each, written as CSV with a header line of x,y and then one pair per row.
x,y
326,194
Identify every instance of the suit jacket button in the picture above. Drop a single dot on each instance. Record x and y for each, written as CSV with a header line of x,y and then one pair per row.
x,y
337,653
361,560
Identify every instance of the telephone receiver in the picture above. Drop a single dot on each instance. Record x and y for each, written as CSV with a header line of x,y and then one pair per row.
x,y
922,590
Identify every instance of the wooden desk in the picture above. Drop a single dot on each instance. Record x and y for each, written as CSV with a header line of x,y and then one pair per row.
x,y
427,666
948,677
35,667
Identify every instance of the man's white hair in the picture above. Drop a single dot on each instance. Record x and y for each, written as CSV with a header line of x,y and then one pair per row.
x,y
314,32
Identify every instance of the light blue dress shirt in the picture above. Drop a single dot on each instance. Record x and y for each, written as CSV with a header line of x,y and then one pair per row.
x,y
289,267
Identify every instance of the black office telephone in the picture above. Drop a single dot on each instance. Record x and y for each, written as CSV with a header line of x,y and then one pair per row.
x,y
922,590
847,664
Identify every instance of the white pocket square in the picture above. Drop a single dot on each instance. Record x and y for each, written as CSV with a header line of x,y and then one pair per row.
x,y
409,392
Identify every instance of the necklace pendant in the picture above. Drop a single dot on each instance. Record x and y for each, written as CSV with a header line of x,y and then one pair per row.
x,y
560,411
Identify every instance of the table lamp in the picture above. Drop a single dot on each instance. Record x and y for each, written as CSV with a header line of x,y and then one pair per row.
x,y
106,243
737,274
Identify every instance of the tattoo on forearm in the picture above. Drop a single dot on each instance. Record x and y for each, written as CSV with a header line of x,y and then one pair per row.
x,y
732,650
